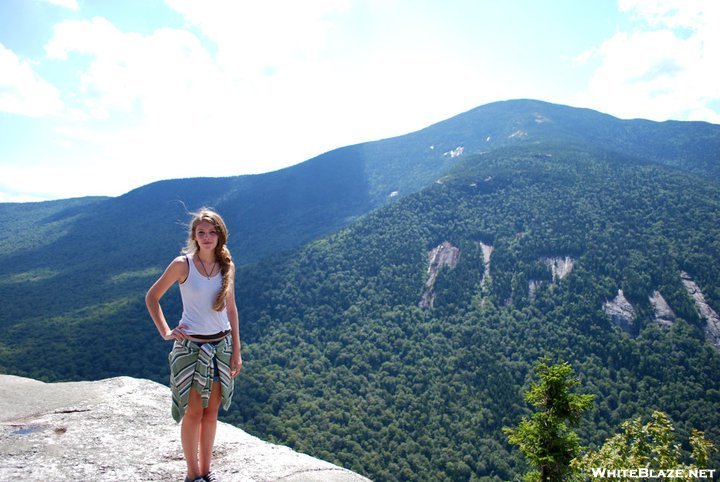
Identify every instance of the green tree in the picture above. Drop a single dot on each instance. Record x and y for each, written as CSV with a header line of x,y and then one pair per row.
x,y
547,439
650,445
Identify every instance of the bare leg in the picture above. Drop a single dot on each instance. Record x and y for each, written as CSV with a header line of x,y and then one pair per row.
x,y
208,427
190,433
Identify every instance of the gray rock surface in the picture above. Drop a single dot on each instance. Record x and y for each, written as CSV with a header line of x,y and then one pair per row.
x,y
560,267
664,315
121,429
712,319
487,251
443,255
533,286
621,312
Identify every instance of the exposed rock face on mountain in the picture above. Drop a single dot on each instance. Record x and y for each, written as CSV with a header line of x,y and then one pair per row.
x,y
664,315
621,312
712,327
560,267
121,429
444,255
533,286
487,252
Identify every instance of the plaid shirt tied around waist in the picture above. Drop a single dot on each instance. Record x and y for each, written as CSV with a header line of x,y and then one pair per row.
x,y
191,366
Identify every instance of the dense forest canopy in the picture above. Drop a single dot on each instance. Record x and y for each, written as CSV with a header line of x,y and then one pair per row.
x,y
340,359
338,322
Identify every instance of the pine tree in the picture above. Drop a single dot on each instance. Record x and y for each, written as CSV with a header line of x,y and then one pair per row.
x,y
547,439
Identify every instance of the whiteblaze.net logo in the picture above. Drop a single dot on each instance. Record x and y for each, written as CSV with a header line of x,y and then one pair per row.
x,y
646,473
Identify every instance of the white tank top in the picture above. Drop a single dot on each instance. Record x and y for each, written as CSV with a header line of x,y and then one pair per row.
x,y
198,295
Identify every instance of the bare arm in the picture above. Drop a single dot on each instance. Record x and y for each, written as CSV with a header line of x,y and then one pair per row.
x,y
232,312
176,271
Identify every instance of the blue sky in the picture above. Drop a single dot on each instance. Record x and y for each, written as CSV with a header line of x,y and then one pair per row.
x,y
98,97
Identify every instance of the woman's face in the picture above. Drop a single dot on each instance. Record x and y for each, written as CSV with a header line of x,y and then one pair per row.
x,y
206,236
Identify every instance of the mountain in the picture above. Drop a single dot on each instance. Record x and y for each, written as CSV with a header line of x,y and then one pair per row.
x,y
284,209
121,429
393,334
342,345
67,240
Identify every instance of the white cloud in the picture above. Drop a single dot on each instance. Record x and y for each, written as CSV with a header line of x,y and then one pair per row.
x,y
249,87
666,68
20,183
671,13
22,90
145,98
262,37
159,74
61,180
261,97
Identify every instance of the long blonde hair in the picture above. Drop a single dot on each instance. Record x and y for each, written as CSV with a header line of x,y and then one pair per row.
x,y
222,253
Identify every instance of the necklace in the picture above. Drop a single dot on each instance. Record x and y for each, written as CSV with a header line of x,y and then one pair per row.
x,y
212,268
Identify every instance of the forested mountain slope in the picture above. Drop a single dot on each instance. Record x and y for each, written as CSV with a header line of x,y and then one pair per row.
x,y
344,364
546,212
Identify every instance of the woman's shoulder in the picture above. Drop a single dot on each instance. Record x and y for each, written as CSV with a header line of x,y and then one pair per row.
x,y
180,265
183,259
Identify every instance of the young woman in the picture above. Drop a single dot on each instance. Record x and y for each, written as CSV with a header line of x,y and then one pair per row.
x,y
205,356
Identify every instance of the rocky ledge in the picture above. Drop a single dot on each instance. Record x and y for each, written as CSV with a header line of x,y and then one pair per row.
x,y
621,312
121,429
443,255
712,319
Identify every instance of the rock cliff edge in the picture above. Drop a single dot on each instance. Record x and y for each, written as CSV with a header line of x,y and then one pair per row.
x,y
121,429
